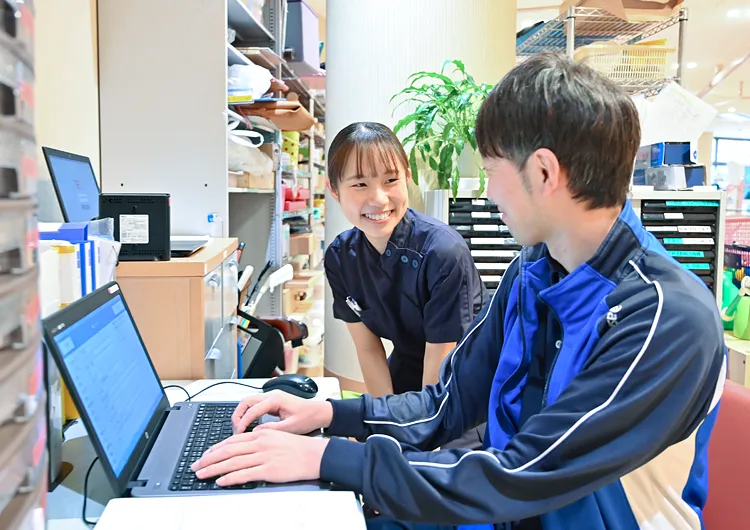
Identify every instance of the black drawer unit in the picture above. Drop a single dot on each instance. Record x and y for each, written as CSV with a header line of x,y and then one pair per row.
x,y
688,229
490,242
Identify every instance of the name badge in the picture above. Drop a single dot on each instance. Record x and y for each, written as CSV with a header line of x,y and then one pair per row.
x,y
354,306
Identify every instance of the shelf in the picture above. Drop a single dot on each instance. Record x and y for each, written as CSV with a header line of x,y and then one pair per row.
x,y
250,190
647,87
298,213
248,28
264,57
591,25
235,57
298,86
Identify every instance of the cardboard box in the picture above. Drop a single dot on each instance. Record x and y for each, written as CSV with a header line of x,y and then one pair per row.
x,y
302,244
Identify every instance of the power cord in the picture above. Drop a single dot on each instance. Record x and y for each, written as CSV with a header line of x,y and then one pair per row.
x,y
190,398
86,494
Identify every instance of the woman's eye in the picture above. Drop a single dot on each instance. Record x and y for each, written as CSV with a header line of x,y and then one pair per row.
x,y
359,185
389,181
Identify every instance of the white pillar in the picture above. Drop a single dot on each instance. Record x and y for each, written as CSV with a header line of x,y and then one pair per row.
x,y
372,48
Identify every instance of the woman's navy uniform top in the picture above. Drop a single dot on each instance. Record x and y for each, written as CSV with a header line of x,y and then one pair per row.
x,y
423,288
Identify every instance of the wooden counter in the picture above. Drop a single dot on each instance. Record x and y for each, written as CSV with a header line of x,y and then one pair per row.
x,y
184,310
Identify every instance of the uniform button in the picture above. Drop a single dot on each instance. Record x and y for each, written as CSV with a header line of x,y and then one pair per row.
x,y
388,253
558,344
415,263
404,259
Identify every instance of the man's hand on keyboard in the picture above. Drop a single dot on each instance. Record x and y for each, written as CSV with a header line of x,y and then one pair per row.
x,y
262,455
298,416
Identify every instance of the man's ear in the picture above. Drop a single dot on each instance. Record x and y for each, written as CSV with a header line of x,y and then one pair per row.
x,y
331,190
551,171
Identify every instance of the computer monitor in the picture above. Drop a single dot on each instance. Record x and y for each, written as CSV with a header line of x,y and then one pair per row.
x,y
96,344
75,185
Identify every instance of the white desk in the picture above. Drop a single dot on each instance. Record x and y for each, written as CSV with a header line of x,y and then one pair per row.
x,y
65,503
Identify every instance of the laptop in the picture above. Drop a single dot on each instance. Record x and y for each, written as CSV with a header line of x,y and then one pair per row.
x,y
145,446
78,194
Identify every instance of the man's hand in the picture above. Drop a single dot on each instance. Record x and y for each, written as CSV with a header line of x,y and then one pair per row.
x,y
262,455
298,416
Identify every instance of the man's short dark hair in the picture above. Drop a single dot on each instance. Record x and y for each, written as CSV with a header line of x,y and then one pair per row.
x,y
585,119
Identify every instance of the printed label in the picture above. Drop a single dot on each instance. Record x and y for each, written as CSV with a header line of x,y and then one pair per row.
x,y
478,202
697,266
492,241
481,215
494,253
692,203
673,215
695,229
688,241
134,229
687,253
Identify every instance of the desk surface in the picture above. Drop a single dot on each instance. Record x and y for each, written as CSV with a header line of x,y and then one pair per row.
x,y
201,263
64,504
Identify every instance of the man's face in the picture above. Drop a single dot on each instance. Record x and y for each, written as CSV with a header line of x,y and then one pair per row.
x,y
376,202
514,193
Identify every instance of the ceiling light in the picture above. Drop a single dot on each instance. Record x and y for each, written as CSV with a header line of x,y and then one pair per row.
x,y
731,109
692,65
675,66
733,13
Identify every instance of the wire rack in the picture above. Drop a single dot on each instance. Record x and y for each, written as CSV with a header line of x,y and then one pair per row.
x,y
591,25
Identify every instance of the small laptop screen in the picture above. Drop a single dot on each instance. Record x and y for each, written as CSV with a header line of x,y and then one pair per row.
x,y
111,373
76,183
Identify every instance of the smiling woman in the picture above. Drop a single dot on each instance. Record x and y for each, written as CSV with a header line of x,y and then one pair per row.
x,y
398,274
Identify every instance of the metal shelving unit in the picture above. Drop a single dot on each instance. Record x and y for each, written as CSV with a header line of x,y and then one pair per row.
x,y
581,26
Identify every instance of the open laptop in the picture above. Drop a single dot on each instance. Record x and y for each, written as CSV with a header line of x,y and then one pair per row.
x,y
78,194
145,445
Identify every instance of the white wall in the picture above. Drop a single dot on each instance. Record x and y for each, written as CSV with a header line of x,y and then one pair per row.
x,y
67,95
372,48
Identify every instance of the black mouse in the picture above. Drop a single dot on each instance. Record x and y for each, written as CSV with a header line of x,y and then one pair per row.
x,y
296,384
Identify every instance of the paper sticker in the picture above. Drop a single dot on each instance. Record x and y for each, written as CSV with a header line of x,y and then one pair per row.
x,y
673,215
134,229
481,215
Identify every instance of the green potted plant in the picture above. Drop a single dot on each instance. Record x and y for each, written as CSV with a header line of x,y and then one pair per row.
x,y
441,126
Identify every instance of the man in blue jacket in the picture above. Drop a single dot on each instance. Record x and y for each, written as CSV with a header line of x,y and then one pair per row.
x,y
598,365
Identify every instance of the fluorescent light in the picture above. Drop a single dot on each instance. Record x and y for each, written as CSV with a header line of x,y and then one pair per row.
x,y
733,13
692,65
731,109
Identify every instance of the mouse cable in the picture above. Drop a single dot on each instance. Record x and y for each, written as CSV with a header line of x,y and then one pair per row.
x,y
86,494
190,398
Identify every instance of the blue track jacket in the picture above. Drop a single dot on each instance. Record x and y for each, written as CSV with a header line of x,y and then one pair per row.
x,y
628,407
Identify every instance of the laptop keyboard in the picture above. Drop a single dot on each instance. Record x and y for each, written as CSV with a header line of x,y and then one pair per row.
x,y
213,424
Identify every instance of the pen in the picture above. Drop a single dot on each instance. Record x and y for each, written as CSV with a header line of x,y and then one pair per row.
x,y
240,248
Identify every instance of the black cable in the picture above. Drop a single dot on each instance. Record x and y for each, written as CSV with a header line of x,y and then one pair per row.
x,y
189,397
85,494
181,388
225,383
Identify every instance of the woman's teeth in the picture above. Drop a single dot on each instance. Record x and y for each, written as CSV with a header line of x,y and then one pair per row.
x,y
378,216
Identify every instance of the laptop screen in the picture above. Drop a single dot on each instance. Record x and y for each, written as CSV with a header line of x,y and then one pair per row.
x,y
113,377
76,185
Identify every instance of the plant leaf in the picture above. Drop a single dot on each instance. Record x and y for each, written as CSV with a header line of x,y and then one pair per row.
x,y
413,165
433,164
404,122
454,182
482,179
446,163
418,76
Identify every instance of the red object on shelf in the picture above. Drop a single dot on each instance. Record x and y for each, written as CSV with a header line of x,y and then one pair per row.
x,y
294,206
290,194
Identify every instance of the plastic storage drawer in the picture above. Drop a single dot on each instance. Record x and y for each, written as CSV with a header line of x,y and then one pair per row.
x,y
18,163
19,310
16,88
19,236
17,28
21,378
27,510
22,449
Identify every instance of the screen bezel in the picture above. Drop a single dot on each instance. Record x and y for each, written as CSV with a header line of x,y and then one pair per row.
x,y
66,317
50,152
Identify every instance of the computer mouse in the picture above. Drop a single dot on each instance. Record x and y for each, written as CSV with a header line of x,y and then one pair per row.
x,y
296,384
